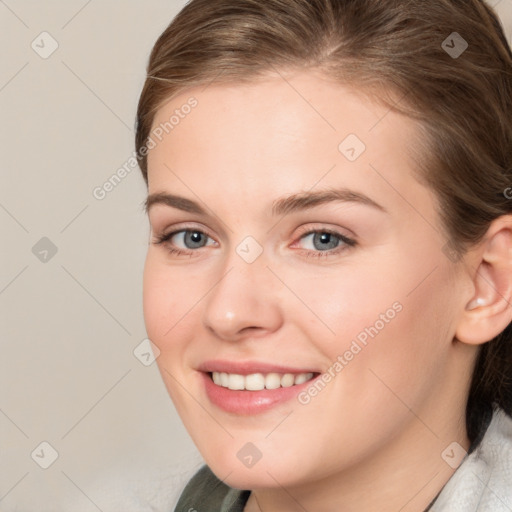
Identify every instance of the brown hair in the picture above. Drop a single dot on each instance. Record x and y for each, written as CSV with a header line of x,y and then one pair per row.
x,y
399,52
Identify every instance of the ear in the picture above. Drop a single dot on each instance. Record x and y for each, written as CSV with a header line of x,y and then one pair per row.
x,y
489,311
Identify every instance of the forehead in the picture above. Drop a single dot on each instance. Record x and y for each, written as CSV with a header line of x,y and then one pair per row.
x,y
279,135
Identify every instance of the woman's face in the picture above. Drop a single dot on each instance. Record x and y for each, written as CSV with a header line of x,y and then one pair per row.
x,y
306,249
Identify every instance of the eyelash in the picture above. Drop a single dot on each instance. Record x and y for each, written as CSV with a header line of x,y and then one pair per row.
x,y
348,242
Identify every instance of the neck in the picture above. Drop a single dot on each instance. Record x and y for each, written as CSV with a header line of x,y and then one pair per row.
x,y
406,475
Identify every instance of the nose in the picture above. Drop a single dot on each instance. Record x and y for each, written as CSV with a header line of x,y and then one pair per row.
x,y
244,301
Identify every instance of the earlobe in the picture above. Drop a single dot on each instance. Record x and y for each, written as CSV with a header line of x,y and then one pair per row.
x,y
489,311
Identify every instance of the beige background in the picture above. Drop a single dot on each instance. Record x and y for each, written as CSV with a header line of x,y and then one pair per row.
x,y
70,321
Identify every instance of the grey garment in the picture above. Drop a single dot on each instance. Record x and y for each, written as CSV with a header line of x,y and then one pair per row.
x,y
206,493
482,482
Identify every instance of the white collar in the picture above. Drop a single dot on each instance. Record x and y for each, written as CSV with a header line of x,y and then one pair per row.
x,y
483,481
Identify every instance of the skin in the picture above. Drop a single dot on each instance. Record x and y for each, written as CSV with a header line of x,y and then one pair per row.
x,y
372,439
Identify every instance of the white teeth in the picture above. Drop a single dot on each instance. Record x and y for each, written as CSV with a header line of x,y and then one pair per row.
x,y
254,382
236,381
259,381
303,377
273,381
287,380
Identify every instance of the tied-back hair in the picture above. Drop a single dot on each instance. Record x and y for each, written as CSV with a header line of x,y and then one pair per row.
x,y
395,52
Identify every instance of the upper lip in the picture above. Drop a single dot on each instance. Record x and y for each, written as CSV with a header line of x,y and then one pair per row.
x,y
248,367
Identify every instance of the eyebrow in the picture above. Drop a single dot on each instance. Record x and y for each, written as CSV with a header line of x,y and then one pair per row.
x,y
282,206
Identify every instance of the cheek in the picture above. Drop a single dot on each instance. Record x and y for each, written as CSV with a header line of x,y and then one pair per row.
x,y
407,352
164,301
346,304
167,316
383,322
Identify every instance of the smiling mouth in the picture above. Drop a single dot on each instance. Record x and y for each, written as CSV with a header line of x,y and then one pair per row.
x,y
259,381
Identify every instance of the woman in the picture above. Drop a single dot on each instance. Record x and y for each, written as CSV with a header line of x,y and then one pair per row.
x,y
329,275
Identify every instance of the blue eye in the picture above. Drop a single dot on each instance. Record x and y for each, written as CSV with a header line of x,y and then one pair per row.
x,y
326,243
191,238
323,243
322,240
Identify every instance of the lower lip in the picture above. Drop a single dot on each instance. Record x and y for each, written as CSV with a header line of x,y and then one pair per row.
x,y
250,402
